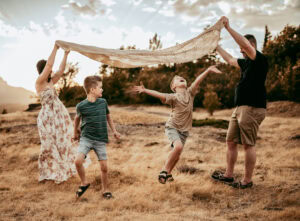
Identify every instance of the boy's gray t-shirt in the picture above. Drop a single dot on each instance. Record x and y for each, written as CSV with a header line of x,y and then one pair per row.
x,y
181,117
93,119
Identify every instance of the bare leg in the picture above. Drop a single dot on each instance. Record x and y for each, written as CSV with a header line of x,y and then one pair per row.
x,y
174,163
250,160
104,179
80,169
173,156
231,157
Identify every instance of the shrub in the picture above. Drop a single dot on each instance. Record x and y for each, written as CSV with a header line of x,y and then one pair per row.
x,y
211,101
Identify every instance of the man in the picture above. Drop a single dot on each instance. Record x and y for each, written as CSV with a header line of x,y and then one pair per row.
x,y
250,102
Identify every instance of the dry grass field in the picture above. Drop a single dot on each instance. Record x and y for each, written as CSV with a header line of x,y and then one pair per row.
x,y
135,162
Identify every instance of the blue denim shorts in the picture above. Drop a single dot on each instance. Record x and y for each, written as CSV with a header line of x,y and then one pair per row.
x,y
86,145
174,135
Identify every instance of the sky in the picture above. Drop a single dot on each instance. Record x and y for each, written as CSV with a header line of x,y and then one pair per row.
x,y
29,28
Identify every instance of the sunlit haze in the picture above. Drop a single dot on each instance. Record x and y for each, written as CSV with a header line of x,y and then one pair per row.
x,y
28,28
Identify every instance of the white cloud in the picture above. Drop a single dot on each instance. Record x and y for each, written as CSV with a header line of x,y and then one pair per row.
x,y
137,36
149,9
108,2
112,18
188,19
82,9
136,2
239,10
225,7
171,2
3,15
292,3
38,40
166,12
91,9
7,30
168,39
254,13
196,30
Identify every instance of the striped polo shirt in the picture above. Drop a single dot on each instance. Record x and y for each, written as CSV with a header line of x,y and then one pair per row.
x,y
93,119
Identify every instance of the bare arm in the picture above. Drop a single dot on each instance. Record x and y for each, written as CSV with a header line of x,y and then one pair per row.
x,y
142,89
240,40
48,67
201,77
76,128
112,126
61,69
227,57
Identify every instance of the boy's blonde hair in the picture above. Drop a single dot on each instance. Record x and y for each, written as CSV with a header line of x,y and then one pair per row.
x,y
172,82
91,82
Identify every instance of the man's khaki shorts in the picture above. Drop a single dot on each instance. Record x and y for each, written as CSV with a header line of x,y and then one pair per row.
x,y
244,124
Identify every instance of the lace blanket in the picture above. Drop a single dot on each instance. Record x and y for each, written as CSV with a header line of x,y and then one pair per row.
x,y
187,51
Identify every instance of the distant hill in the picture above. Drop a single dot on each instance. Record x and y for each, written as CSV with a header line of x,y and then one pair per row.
x,y
14,98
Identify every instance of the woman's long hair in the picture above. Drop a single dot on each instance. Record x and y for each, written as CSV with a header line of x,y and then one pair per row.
x,y
40,67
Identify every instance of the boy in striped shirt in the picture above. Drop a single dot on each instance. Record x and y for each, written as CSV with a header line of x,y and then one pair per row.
x,y
94,115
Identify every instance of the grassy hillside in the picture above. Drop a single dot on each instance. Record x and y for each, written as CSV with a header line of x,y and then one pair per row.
x,y
134,164
14,98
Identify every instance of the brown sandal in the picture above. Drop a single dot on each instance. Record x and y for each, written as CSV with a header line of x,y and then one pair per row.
x,y
81,190
162,177
219,176
107,195
239,185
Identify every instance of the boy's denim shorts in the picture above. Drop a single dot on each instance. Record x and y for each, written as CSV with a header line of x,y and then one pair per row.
x,y
174,134
86,145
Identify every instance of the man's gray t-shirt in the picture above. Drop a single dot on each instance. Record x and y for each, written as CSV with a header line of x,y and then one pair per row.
x,y
93,119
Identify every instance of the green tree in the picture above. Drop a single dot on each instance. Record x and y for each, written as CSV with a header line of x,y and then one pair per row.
x,y
283,56
211,100
267,38
67,79
155,43
69,91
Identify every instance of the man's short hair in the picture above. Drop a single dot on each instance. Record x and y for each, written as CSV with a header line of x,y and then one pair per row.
x,y
91,82
251,38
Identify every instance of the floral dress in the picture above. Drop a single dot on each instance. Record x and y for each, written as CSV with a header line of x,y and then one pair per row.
x,y
57,153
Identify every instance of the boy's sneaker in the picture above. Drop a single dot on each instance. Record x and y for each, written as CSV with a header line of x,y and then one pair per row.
x,y
219,176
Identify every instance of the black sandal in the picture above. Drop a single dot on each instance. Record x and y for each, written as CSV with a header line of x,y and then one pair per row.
x,y
107,195
239,185
162,177
81,190
219,176
170,178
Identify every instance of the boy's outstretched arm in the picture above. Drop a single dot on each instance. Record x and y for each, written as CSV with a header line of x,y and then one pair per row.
x,y
211,69
76,128
142,89
112,126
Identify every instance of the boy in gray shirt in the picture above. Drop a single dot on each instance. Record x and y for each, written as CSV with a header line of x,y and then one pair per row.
x,y
180,120
94,115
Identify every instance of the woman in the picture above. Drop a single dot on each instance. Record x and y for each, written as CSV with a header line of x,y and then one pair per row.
x,y
57,154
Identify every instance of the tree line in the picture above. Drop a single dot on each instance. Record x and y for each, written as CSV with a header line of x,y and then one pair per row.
x,y
216,91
